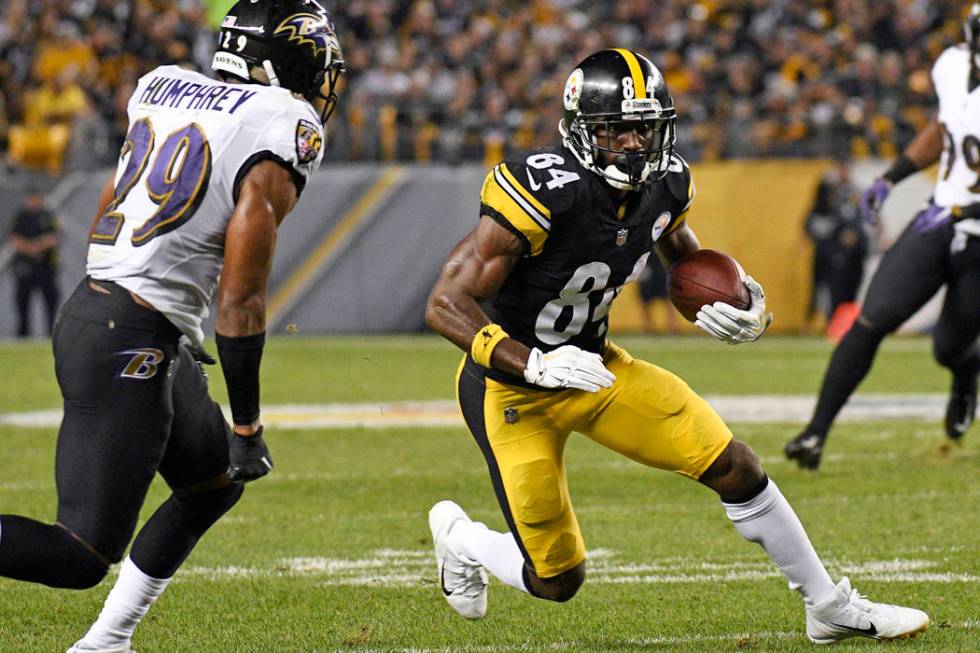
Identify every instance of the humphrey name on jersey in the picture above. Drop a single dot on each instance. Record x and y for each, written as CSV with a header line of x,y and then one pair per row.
x,y
166,91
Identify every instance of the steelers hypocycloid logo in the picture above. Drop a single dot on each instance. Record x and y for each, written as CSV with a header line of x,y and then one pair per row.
x,y
573,89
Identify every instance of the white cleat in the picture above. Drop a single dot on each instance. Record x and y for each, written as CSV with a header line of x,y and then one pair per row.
x,y
463,581
848,614
78,648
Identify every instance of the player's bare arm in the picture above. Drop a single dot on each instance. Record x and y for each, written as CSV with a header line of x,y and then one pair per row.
x,y
679,242
265,197
926,148
473,272
105,197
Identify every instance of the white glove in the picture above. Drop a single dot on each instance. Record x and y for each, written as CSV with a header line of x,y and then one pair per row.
x,y
567,367
734,326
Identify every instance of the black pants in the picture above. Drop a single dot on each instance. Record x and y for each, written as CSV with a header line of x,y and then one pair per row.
x,y
32,276
914,270
135,403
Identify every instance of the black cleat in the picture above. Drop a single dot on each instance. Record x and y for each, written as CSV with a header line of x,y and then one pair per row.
x,y
806,449
960,412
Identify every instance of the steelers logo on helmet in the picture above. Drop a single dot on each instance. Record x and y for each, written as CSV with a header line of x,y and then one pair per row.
x,y
619,118
573,90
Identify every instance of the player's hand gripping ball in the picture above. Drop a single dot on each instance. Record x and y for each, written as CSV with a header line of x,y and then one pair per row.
x,y
710,289
705,277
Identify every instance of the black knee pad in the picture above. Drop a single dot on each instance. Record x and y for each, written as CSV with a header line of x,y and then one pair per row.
x,y
559,589
81,568
48,554
82,573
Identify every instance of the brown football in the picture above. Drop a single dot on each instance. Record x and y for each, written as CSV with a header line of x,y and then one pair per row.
x,y
705,277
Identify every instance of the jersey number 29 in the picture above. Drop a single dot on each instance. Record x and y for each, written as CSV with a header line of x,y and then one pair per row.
x,y
176,182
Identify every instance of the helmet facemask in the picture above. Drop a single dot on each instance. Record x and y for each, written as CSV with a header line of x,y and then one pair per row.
x,y
325,89
589,136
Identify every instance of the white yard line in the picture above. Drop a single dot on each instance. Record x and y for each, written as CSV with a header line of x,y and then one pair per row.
x,y
415,568
744,409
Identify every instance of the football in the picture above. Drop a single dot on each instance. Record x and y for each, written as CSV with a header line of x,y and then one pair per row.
x,y
705,277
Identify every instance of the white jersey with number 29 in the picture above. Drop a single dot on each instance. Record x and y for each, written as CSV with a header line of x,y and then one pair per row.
x,y
959,114
191,140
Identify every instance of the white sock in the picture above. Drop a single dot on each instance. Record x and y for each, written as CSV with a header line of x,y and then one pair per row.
x,y
130,598
497,552
769,520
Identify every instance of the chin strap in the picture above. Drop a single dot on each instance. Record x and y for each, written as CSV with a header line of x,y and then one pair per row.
x,y
271,72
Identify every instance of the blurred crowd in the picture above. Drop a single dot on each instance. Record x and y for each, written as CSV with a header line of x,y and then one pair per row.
x,y
451,80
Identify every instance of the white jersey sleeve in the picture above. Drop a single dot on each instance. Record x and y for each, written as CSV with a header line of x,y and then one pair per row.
x,y
191,141
958,183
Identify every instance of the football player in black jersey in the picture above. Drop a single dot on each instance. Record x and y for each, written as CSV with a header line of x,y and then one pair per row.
x,y
562,230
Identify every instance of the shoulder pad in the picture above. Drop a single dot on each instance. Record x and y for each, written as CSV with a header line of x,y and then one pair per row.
x,y
680,182
291,132
526,190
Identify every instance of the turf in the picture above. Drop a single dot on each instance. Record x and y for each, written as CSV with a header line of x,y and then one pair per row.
x,y
332,552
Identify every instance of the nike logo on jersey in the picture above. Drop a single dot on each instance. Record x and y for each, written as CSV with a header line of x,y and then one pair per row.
x,y
870,631
534,184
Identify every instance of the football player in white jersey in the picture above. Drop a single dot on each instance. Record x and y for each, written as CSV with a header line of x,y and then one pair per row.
x,y
209,169
940,246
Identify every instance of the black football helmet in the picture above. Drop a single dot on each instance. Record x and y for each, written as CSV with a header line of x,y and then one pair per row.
x,y
292,41
612,93
971,29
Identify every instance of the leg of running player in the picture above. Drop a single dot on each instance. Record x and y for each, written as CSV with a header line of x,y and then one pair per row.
x,y
955,336
543,553
113,377
653,417
194,466
910,273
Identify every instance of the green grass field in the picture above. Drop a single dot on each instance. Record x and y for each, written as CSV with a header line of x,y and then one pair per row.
x,y
332,552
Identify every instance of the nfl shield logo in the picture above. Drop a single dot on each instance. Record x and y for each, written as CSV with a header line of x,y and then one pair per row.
x,y
621,237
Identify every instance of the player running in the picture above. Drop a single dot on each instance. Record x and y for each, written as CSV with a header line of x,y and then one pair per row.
x,y
940,246
209,169
562,230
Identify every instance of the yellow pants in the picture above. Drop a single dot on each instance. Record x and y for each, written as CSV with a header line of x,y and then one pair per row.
x,y
648,415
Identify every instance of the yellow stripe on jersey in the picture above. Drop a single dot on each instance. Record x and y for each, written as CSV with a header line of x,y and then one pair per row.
x,y
639,83
682,217
500,195
526,194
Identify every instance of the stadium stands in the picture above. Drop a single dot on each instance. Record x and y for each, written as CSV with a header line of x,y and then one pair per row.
x,y
457,80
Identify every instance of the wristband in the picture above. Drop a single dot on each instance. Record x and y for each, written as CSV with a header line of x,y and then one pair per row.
x,y
240,359
484,343
902,167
